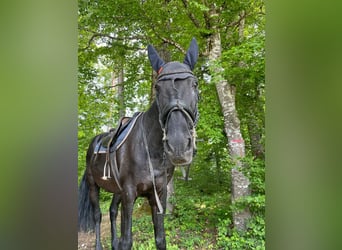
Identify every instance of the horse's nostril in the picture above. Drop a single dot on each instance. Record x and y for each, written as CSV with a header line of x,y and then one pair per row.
x,y
189,143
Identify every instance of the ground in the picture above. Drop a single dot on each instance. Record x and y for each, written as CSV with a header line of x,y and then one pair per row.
x,y
86,241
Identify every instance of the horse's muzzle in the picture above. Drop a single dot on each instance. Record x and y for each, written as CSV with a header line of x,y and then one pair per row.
x,y
180,154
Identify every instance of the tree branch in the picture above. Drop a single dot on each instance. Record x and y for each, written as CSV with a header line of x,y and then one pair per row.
x,y
169,41
93,38
191,15
97,34
237,22
177,45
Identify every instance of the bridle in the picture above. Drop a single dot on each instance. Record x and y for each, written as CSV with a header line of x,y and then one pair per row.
x,y
177,104
164,116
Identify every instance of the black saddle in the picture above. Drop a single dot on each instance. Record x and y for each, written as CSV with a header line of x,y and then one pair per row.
x,y
116,136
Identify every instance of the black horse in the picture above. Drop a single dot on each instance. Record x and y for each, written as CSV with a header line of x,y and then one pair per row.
x,y
160,139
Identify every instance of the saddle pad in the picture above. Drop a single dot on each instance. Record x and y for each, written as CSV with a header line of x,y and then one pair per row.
x,y
121,136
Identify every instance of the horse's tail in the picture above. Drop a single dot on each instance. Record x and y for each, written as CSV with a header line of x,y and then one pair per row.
x,y
85,209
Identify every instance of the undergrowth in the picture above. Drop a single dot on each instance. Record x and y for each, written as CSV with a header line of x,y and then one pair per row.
x,y
202,215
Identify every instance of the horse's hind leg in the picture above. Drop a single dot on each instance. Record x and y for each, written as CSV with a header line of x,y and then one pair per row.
x,y
94,191
113,212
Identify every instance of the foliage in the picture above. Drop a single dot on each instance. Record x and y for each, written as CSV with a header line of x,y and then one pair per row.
x,y
254,237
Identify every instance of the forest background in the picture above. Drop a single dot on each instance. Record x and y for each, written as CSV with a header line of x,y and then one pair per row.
x,y
116,79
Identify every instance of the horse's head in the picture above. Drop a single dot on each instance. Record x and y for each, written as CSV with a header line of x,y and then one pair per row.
x,y
177,97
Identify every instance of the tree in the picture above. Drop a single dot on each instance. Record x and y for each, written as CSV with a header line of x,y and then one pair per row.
x,y
214,14
236,145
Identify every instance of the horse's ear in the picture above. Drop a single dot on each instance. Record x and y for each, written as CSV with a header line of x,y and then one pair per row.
x,y
192,54
155,59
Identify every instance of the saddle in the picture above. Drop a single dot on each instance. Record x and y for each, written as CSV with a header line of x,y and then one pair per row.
x,y
116,136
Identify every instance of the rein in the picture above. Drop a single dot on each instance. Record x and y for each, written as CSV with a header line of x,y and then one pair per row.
x,y
160,207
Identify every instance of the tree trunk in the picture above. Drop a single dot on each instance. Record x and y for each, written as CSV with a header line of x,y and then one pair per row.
x,y
236,144
120,91
117,88
255,133
218,168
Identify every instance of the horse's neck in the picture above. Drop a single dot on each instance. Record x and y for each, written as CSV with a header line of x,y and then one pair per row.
x,y
152,126
154,136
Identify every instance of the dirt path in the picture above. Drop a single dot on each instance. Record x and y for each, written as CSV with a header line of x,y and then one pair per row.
x,y
86,241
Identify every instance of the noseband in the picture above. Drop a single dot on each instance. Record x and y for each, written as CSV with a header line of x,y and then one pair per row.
x,y
176,105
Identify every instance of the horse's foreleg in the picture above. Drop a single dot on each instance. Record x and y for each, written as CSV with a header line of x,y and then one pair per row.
x,y
94,198
113,212
127,201
158,219
159,231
